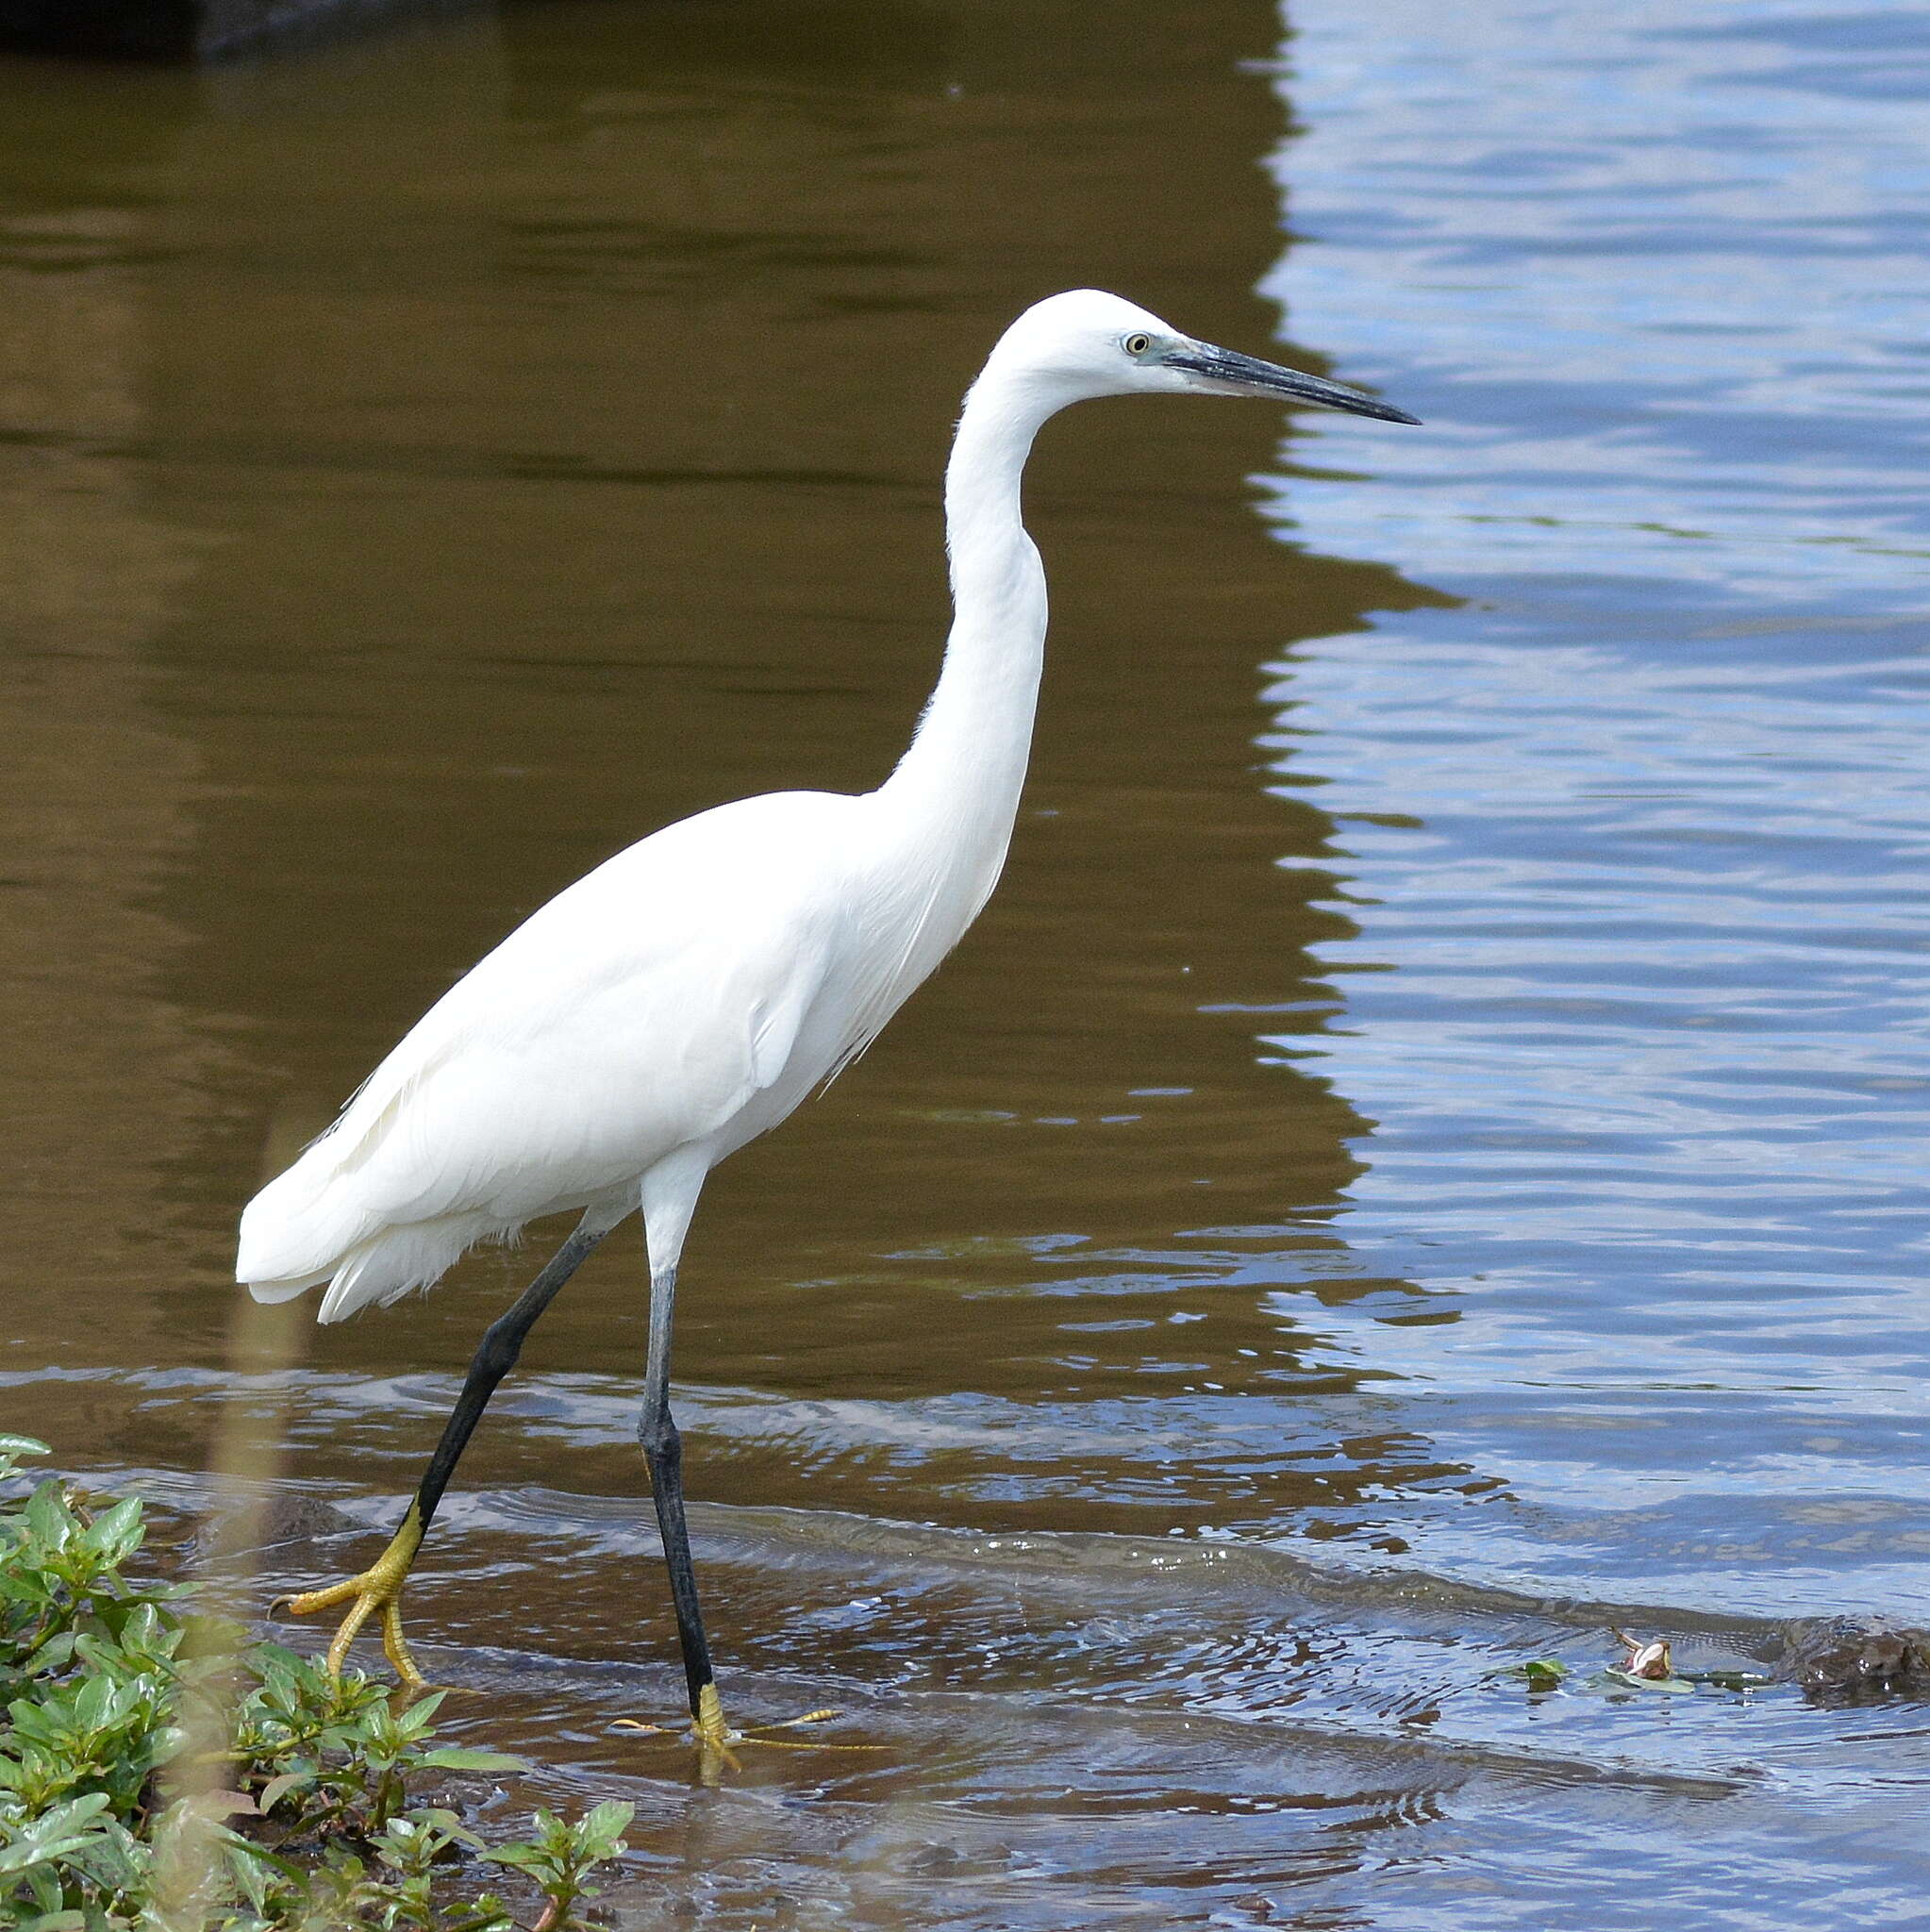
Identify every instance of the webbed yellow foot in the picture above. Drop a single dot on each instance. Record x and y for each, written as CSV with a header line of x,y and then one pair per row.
x,y
378,1587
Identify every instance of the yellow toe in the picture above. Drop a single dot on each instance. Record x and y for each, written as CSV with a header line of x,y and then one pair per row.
x,y
718,1742
378,1587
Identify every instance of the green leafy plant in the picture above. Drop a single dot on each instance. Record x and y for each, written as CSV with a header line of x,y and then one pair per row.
x,y
1539,1673
560,1856
160,1773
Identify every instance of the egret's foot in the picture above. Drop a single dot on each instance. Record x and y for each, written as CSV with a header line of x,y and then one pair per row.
x,y
378,1587
718,1740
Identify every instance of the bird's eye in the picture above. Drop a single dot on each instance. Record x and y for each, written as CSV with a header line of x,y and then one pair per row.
x,y
1137,345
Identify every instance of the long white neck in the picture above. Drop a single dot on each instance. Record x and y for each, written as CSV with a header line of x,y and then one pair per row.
x,y
958,784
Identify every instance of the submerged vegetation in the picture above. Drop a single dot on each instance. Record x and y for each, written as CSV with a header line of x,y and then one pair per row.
x,y
159,1769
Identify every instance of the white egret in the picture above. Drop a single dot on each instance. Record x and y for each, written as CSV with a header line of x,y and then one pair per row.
x,y
691,991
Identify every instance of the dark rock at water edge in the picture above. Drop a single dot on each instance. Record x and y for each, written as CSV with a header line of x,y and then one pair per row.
x,y
1847,1655
187,29
240,1527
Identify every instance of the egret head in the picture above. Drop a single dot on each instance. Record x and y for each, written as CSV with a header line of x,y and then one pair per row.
x,y
1086,343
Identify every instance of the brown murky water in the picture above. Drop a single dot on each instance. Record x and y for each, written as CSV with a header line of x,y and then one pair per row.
x,y
1422,1153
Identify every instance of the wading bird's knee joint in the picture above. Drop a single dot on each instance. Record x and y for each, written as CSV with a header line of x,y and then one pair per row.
x,y
496,1353
658,1435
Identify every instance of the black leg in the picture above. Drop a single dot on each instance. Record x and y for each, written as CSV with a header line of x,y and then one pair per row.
x,y
663,1450
379,1587
495,1356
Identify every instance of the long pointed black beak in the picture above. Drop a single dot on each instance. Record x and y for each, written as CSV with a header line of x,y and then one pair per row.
x,y
1248,375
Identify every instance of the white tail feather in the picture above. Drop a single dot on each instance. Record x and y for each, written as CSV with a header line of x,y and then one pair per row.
x,y
304,1229
417,1255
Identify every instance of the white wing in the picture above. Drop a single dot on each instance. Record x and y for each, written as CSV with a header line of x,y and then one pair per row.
x,y
642,1009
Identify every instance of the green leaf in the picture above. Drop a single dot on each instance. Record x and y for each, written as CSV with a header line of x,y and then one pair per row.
x,y
23,1445
471,1757
523,1857
1541,1672
415,1720
44,1883
446,1823
487,1913
116,1533
58,1834
94,1706
600,1831
48,1518
276,1789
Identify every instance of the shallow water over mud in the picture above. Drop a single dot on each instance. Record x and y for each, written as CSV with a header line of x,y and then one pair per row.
x,y
1422,1158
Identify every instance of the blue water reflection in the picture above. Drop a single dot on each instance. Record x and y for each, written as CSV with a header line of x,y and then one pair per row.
x,y
1641,829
